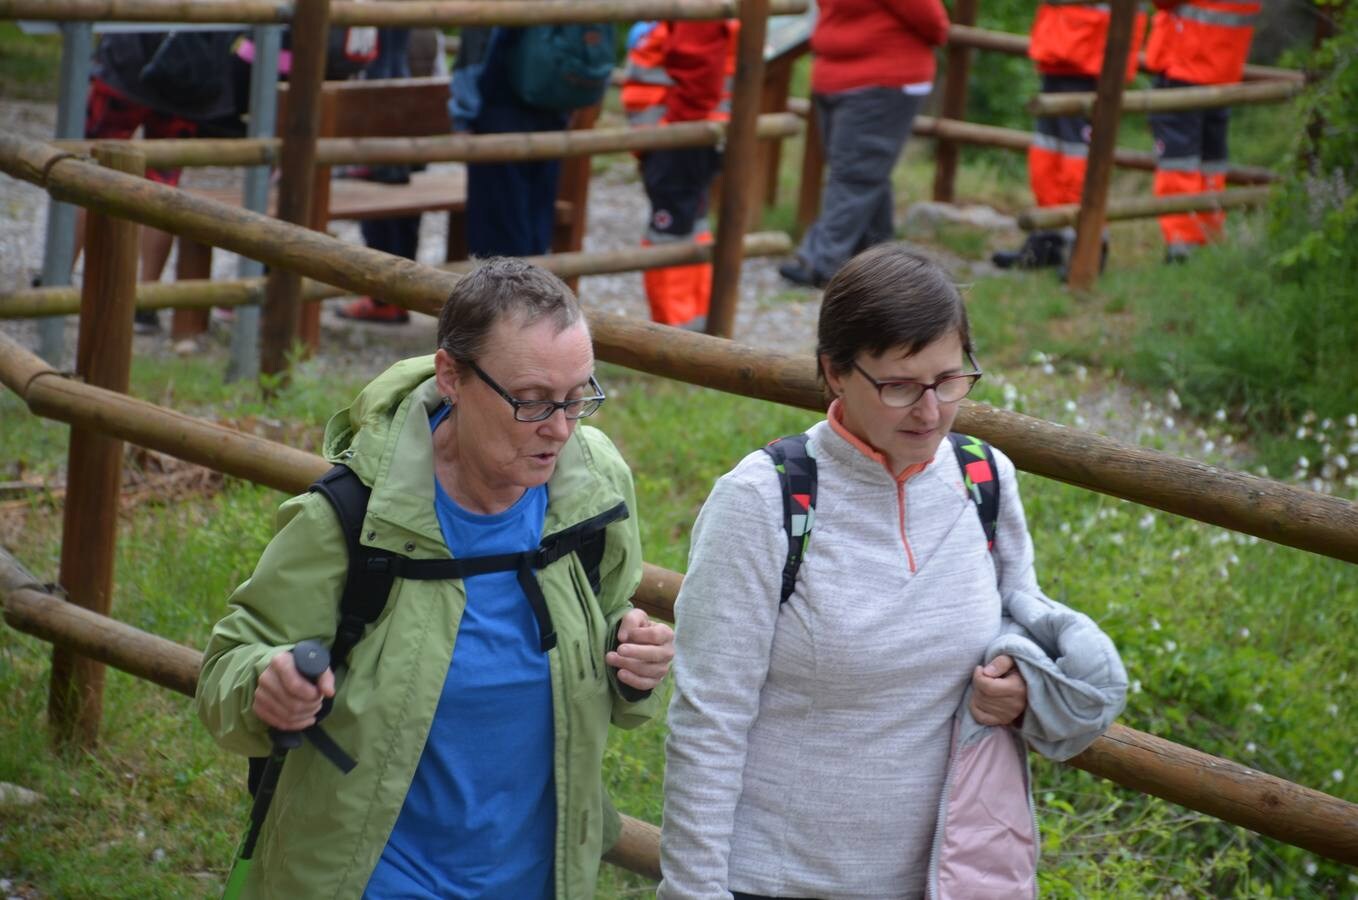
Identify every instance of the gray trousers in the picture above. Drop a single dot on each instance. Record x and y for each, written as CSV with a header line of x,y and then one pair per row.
x,y
862,133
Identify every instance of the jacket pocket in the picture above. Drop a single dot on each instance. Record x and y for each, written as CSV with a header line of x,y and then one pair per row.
x,y
986,845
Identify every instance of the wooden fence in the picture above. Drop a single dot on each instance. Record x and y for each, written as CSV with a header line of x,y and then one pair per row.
x,y
1321,823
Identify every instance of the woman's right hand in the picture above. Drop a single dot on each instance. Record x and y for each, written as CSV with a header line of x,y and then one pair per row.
x,y
285,700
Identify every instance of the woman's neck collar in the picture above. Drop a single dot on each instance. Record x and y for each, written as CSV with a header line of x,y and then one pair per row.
x,y
472,494
835,416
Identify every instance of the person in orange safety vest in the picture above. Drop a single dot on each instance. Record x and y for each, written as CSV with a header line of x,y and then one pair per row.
x,y
1067,47
679,71
1198,42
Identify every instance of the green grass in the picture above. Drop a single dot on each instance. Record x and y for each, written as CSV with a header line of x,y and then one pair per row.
x,y
28,64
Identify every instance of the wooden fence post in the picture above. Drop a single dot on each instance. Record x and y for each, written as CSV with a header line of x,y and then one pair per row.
x,y
282,303
739,178
1085,258
94,465
954,103
813,173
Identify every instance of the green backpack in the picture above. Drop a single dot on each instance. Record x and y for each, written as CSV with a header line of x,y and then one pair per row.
x,y
562,67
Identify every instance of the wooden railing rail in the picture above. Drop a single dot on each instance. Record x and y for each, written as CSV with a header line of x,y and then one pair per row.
x,y
204,294
389,13
475,148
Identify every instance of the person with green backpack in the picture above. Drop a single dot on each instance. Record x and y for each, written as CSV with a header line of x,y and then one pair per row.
x,y
468,567
517,80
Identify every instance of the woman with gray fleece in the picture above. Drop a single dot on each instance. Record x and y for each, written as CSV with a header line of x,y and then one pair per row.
x,y
866,737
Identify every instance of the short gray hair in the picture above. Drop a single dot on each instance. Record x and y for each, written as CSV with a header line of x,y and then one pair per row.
x,y
498,288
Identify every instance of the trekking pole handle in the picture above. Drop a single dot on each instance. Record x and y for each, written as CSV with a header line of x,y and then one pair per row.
x,y
311,659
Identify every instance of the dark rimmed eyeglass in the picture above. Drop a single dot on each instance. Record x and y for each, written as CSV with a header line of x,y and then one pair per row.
x,y
541,410
948,389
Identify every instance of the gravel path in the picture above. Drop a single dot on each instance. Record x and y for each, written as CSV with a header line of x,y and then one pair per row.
x,y
770,314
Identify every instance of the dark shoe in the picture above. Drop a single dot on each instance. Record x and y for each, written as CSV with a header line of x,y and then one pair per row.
x,y
366,309
389,174
799,273
1041,250
145,321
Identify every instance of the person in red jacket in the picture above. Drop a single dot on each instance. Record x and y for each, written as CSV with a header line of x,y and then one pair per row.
x,y
679,71
1067,47
873,67
1198,42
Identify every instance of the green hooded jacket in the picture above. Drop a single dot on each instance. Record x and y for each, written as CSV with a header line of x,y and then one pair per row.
x,y
326,830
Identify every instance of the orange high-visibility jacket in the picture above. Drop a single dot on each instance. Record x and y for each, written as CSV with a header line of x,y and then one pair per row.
x,y
1068,39
1201,41
681,71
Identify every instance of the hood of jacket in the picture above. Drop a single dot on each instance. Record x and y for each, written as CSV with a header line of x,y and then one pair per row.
x,y
384,437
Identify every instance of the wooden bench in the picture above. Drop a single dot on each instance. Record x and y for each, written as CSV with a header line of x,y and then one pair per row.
x,y
405,107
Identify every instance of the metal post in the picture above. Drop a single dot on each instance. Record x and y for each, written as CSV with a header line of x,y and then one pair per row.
x,y
263,109
95,461
1084,259
58,255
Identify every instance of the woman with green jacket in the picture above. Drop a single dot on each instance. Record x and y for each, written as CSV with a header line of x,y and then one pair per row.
x,y
478,752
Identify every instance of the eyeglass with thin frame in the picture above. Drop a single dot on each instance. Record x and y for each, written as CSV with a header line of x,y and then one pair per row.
x,y
542,410
899,394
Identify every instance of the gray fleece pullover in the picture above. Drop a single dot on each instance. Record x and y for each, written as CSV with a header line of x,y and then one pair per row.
x,y
808,742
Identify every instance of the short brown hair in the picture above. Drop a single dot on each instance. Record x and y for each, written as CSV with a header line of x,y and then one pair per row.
x,y
885,297
498,288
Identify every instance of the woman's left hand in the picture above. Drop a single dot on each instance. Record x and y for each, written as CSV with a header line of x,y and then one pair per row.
x,y
645,649
999,694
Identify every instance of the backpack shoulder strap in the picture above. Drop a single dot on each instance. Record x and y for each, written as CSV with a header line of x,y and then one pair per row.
x,y
370,575
797,478
981,477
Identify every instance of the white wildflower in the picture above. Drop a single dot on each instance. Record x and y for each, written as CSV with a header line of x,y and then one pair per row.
x,y
1256,708
1303,433
1209,446
1155,624
1224,573
1303,464
1311,867
1227,441
1233,560
1219,415
1146,522
1333,710
1341,462
1048,369
1244,632
1135,686
1326,424
1081,373
1065,528
1308,417
1351,420
1080,421
1070,406
158,854
1337,775
1173,399
1116,538
1171,646
1168,422
1251,748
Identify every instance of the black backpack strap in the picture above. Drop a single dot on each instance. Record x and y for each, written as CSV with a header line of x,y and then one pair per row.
x,y
981,477
370,577
797,479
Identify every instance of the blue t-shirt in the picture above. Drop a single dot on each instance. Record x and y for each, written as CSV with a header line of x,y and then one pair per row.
x,y
479,819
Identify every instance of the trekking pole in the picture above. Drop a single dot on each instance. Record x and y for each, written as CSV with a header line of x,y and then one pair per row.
x,y
311,659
